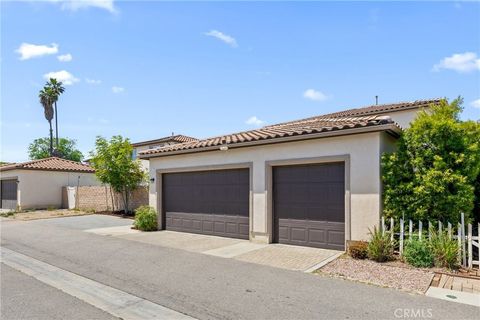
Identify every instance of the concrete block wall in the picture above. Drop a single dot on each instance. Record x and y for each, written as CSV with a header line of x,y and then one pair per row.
x,y
103,198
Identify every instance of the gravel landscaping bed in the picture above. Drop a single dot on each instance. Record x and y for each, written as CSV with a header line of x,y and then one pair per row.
x,y
46,214
381,274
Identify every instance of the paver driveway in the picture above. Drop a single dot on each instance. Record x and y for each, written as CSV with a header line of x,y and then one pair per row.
x,y
275,255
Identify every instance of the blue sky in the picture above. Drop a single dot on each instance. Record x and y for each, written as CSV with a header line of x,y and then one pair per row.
x,y
146,69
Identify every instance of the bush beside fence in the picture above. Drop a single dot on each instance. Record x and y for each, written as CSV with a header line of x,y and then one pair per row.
x,y
468,242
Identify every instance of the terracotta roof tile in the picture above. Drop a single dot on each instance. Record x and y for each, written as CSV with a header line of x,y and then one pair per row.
x,y
50,164
343,120
179,138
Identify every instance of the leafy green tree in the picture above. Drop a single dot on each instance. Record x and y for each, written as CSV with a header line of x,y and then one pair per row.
x,y
67,149
55,91
45,97
433,173
113,165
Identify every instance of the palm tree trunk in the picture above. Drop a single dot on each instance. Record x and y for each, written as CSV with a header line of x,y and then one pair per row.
x,y
56,127
51,138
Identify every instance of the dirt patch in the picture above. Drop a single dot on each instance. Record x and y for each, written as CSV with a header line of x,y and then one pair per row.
x,y
47,214
394,274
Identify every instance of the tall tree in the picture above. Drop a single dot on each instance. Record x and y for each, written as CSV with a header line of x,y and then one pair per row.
x,y
67,149
434,172
45,97
113,165
56,90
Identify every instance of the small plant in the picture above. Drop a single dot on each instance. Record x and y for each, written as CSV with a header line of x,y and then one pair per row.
x,y
358,249
51,208
146,218
418,253
7,214
444,250
380,247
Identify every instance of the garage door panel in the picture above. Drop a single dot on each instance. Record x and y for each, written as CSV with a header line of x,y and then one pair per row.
x,y
309,205
208,202
317,236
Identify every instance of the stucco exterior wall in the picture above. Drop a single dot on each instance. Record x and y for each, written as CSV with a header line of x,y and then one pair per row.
x,y
363,193
403,118
145,163
43,189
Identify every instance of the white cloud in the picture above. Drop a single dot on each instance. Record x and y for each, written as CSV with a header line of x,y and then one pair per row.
x,y
28,50
475,103
254,121
92,81
223,37
74,5
460,62
315,95
116,89
65,57
64,76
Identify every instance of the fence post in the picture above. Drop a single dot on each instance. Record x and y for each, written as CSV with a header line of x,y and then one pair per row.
x,y
429,230
449,231
410,229
420,225
440,227
464,249
401,237
383,225
391,228
459,240
470,249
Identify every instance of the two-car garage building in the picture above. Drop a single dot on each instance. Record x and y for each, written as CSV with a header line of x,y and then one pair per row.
x,y
312,182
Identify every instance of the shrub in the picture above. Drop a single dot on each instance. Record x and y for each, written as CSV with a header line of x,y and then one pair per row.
x,y
444,250
358,249
145,218
418,253
380,247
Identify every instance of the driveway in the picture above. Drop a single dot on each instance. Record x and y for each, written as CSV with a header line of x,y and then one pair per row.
x,y
204,286
274,255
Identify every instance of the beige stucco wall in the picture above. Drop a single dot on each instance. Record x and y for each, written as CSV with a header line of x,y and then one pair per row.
x,y
145,163
43,189
363,183
403,118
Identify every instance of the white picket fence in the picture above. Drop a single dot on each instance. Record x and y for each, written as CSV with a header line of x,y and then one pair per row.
x,y
467,241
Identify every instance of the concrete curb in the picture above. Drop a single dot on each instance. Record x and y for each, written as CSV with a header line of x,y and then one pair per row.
x,y
454,296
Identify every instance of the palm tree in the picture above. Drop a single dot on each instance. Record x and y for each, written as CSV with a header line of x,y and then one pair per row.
x,y
45,96
56,89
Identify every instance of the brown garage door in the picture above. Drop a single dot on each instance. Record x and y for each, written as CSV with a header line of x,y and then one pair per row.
x,y
8,194
207,202
309,205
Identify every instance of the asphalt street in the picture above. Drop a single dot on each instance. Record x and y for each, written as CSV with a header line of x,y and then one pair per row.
x,y
23,297
198,285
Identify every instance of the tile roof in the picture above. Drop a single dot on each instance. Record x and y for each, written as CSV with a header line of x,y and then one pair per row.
x,y
344,120
370,110
50,164
179,138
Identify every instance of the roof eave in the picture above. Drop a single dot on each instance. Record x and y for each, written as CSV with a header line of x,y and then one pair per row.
x,y
42,169
390,128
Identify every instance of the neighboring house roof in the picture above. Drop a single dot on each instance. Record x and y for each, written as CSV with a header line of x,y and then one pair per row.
x,y
3,164
344,121
50,164
179,138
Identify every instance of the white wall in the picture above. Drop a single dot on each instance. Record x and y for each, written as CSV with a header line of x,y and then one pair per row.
x,y
43,189
362,149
